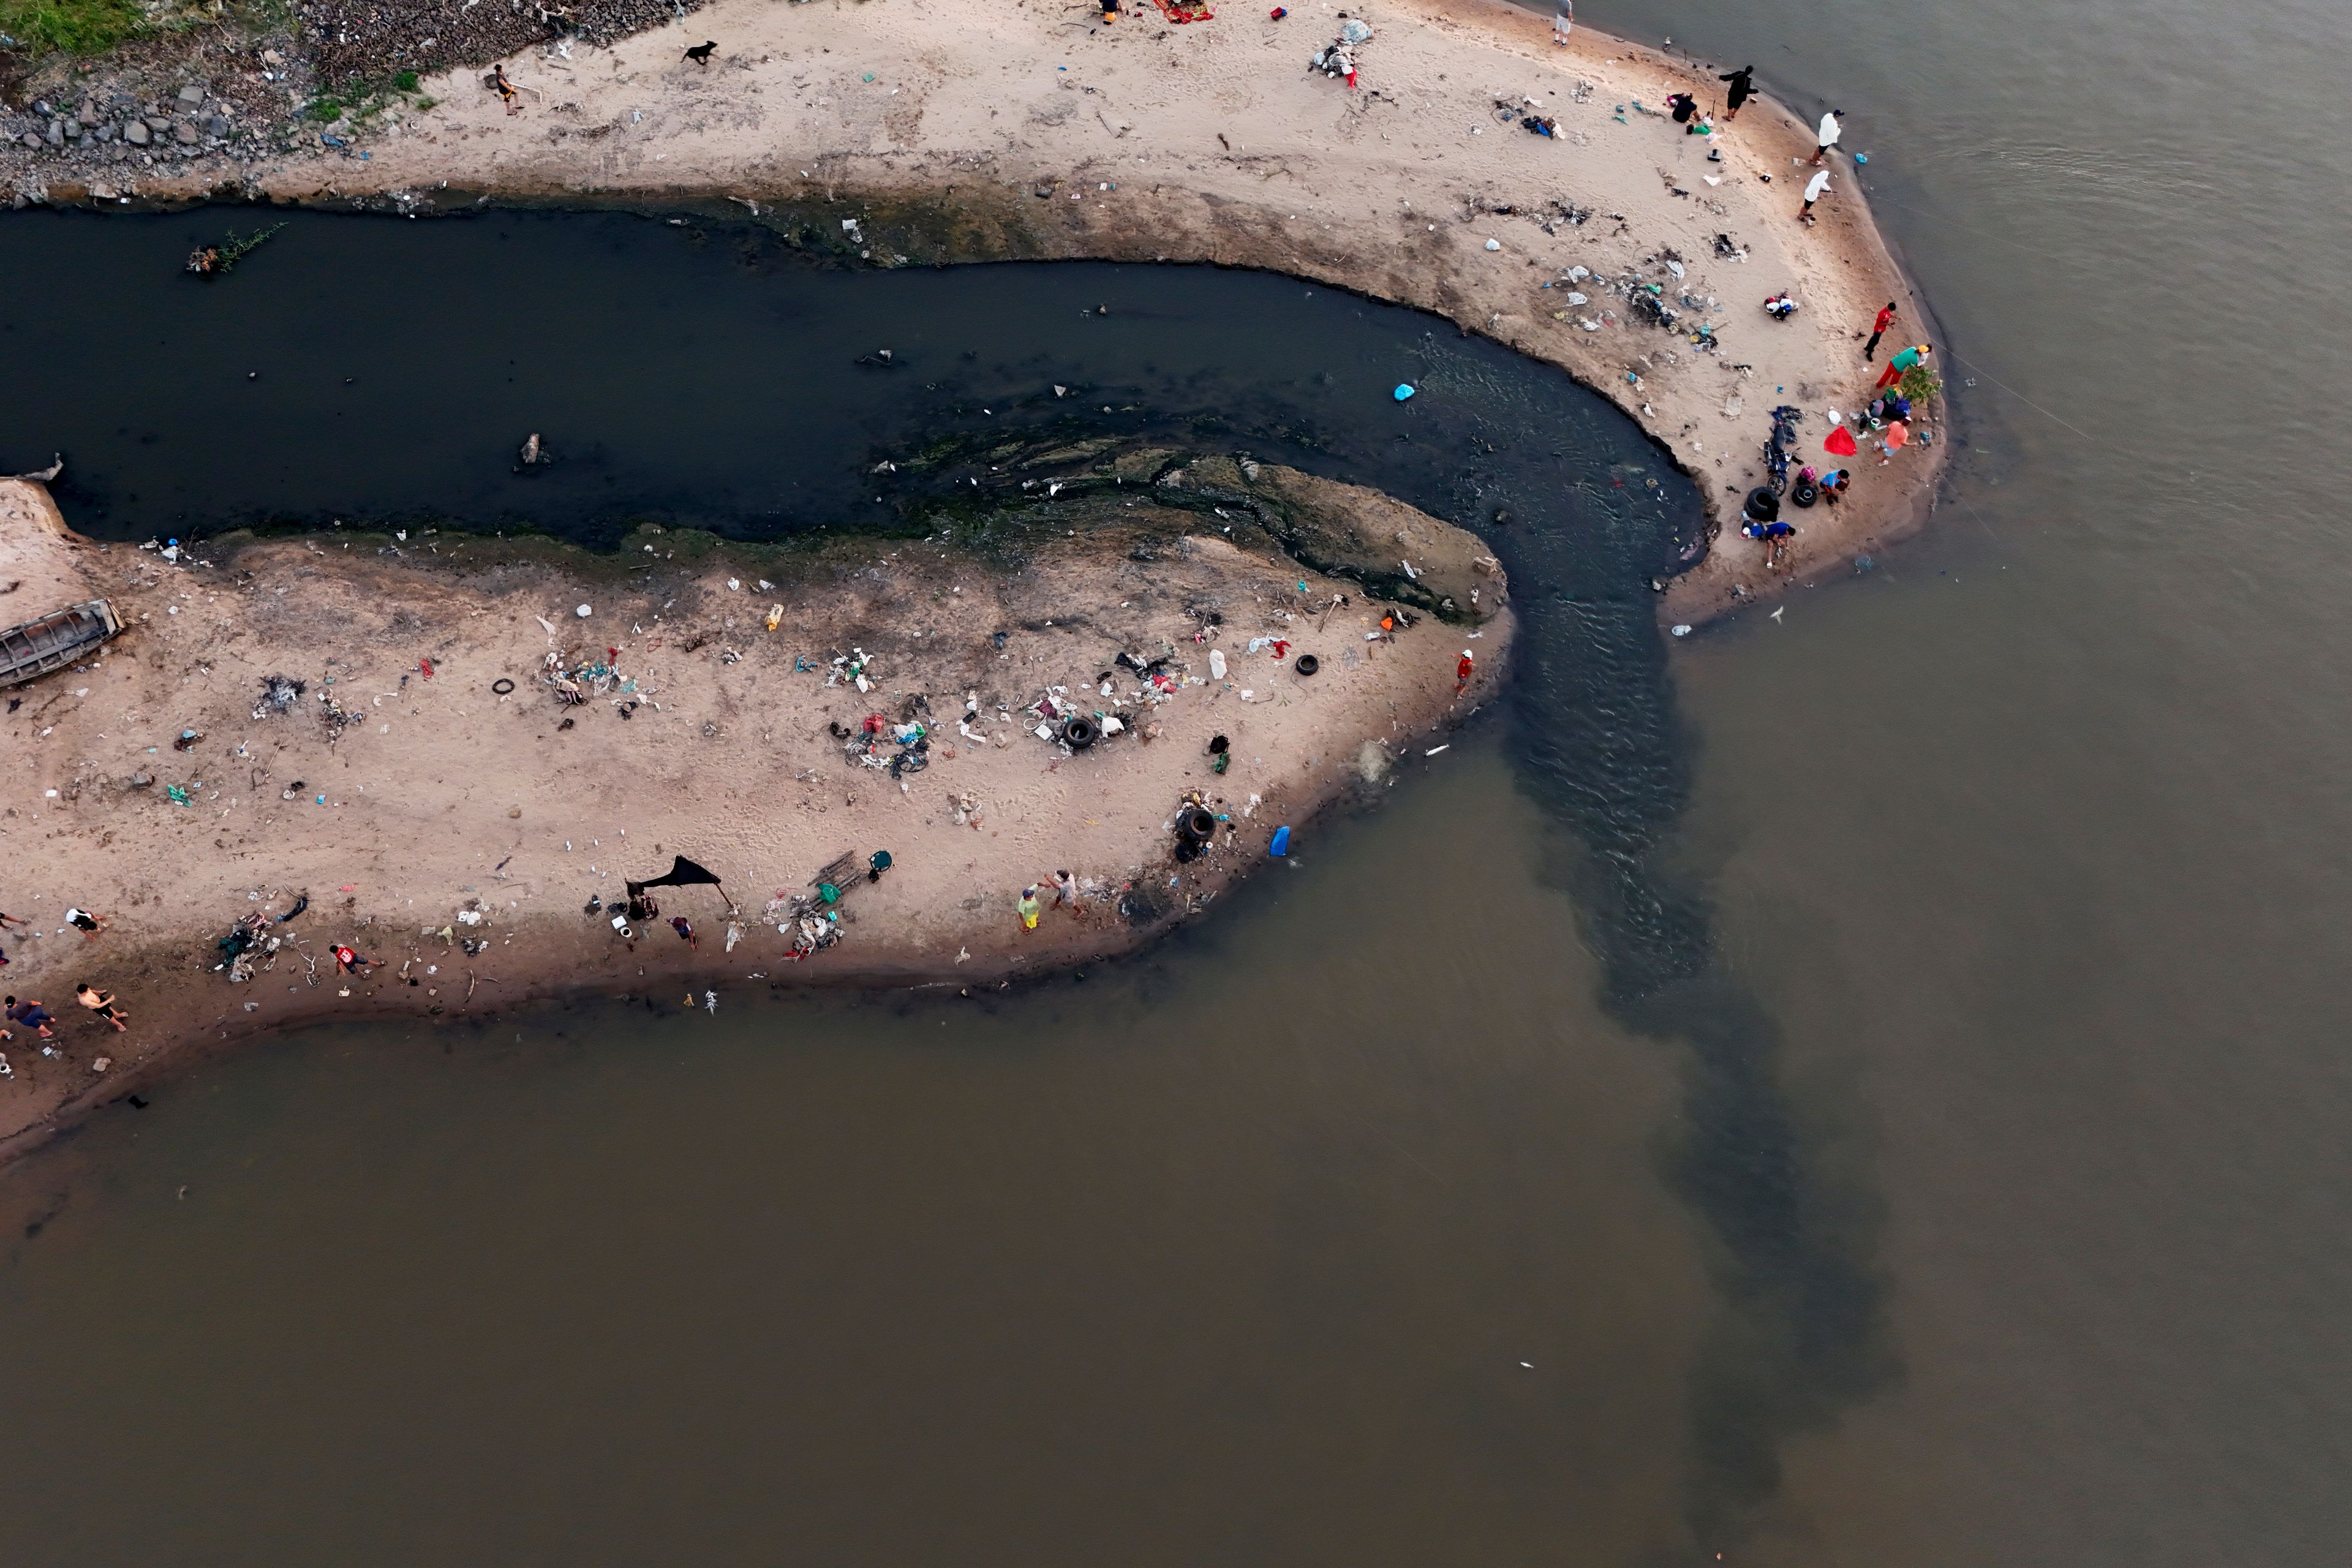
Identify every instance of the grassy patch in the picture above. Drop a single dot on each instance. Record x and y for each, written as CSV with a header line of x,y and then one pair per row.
x,y
325,110
75,26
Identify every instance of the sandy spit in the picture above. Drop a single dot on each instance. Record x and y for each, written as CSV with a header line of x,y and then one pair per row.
x,y
897,133
419,809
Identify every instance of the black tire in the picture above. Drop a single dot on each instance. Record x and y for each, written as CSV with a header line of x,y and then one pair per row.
x,y
1805,494
1763,505
1079,732
1306,664
1197,827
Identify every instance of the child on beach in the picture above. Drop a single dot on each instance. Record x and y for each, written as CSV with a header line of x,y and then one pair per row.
x,y
89,925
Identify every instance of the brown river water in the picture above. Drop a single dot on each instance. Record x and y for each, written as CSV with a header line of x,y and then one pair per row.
x,y
1976,1195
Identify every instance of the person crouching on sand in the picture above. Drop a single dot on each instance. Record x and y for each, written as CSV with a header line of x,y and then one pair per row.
x,y
1902,360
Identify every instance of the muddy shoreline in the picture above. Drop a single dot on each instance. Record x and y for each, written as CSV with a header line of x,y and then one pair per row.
x,y
464,759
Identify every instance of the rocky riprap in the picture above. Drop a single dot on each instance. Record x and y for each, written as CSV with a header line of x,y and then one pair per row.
x,y
208,98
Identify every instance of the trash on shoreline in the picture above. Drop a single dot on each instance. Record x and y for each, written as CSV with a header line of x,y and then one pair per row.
x,y
278,693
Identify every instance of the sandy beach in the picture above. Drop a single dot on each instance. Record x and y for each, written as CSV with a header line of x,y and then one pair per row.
x,y
422,812
432,791
906,132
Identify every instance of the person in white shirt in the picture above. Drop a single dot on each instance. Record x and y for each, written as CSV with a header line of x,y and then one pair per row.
x,y
1563,20
1813,189
1833,127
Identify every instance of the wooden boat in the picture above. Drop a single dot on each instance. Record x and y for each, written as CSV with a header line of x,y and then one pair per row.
x,y
54,640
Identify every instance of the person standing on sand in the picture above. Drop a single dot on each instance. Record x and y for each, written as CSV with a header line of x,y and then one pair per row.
x,y
1028,907
1065,890
684,929
1461,672
1833,127
1813,189
89,925
1563,21
101,1003
1743,86
1878,330
1901,361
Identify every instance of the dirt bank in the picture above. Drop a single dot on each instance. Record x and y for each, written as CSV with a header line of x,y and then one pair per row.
x,y
901,132
421,810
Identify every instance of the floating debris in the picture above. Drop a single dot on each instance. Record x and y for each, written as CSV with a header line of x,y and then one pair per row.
x,y
216,260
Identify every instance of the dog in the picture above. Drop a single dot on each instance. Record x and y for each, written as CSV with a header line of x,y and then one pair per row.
x,y
700,55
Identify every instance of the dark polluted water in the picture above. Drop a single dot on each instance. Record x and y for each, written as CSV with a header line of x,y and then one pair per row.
x,y
1378,1212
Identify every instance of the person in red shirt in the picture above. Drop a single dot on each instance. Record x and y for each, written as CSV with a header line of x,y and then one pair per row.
x,y
1878,330
1462,673
351,962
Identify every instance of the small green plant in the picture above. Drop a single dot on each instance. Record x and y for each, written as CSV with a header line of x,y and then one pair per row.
x,y
326,109
424,103
405,81
1919,383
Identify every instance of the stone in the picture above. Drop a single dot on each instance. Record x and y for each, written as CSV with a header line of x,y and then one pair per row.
x,y
56,134
31,139
192,95
137,134
215,126
158,123
88,113
186,134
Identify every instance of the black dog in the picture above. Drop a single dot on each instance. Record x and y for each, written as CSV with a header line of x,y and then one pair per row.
x,y
701,56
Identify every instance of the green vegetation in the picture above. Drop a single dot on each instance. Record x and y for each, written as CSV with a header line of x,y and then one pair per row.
x,y
76,27
404,82
1919,383
326,109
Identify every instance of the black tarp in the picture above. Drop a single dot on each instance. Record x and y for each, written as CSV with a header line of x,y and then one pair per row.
x,y
683,873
